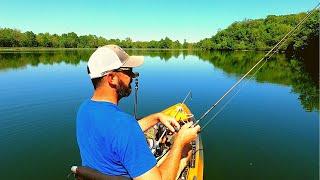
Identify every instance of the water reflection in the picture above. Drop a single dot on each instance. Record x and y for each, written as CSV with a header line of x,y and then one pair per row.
x,y
14,60
279,69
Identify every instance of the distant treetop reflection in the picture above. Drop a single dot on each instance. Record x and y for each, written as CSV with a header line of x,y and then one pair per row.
x,y
279,69
21,58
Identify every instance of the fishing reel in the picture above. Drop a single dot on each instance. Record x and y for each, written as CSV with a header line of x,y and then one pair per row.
x,y
163,138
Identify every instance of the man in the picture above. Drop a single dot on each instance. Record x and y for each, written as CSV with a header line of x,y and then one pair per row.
x,y
112,141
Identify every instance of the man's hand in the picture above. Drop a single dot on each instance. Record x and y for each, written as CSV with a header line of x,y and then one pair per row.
x,y
149,121
168,121
169,168
187,133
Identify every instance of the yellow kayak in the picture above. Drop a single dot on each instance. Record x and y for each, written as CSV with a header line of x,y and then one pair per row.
x,y
193,169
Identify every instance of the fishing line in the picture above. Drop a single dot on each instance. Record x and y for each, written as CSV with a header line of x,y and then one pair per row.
x,y
266,56
135,106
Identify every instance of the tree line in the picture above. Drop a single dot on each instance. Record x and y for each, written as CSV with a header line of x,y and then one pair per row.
x,y
16,38
258,34
263,34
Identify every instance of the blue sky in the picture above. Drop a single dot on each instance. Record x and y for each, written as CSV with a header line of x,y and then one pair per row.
x,y
140,19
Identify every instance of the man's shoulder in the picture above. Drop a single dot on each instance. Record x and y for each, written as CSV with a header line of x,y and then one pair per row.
x,y
105,112
98,107
124,119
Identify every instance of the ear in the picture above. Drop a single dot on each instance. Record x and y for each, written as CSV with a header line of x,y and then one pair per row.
x,y
112,79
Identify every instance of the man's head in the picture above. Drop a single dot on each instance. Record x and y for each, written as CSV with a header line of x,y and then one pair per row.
x,y
111,67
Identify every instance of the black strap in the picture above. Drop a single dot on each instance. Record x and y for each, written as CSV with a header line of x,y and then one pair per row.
x,y
86,173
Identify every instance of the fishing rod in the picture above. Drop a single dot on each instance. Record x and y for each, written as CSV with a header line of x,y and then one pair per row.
x,y
237,92
222,108
185,99
267,56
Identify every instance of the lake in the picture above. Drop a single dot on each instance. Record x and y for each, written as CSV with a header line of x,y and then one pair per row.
x,y
269,130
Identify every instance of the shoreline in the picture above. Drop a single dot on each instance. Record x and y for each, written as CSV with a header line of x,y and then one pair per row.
x,y
15,49
8,49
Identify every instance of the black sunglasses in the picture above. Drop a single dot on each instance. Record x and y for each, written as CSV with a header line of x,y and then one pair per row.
x,y
127,71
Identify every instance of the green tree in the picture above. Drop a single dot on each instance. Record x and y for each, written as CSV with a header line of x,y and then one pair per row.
x,y
10,37
69,40
262,34
44,40
29,39
165,43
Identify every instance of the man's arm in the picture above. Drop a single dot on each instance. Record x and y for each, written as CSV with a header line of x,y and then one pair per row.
x,y
149,121
169,168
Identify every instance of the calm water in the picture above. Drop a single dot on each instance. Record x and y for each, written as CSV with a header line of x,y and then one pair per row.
x,y
268,131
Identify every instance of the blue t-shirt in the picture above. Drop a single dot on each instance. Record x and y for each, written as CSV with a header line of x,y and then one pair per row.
x,y
111,141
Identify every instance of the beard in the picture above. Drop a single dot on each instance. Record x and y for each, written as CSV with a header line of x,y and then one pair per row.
x,y
123,90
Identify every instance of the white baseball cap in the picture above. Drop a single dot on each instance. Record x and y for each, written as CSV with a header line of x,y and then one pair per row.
x,y
111,57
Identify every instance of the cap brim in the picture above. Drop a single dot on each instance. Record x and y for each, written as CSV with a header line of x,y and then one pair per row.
x,y
134,61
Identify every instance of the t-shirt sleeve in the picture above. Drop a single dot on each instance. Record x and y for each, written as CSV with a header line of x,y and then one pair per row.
x,y
132,149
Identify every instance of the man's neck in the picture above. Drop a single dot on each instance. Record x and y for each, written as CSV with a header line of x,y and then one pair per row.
x,y
104,95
